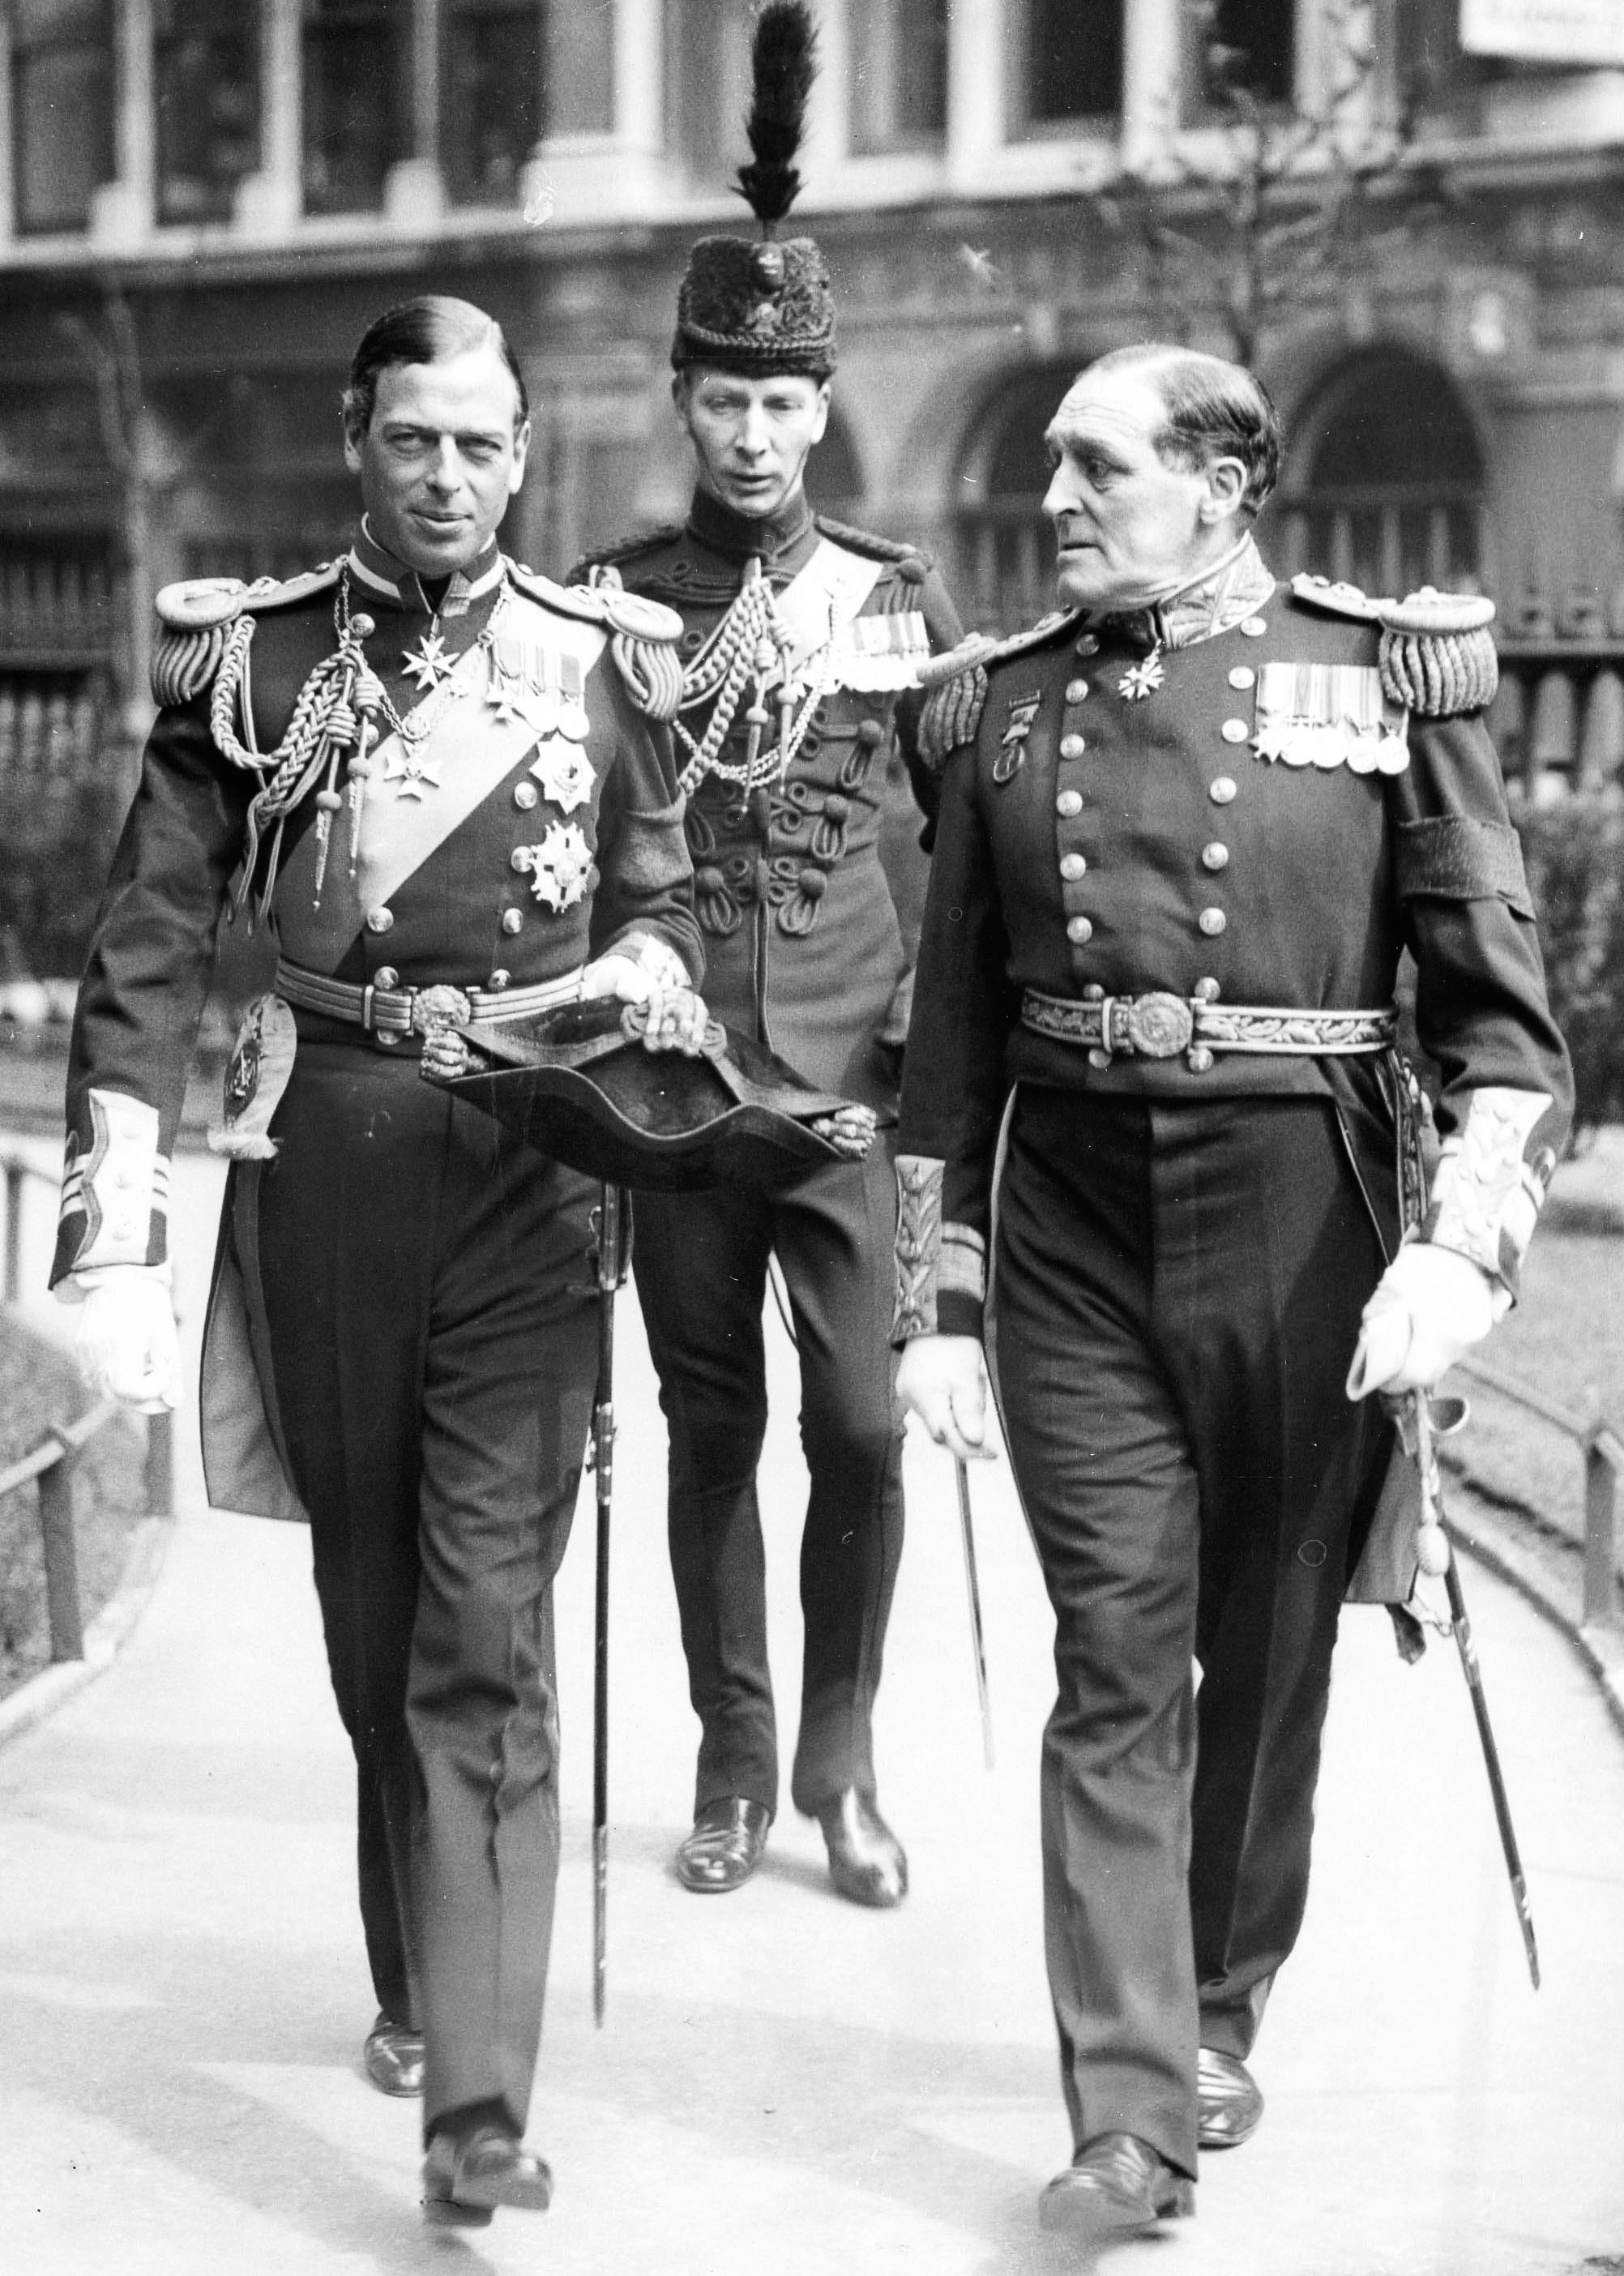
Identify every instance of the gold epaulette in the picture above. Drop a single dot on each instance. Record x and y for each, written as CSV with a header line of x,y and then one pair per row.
x,y
1436,655
955,689
642,634
195,616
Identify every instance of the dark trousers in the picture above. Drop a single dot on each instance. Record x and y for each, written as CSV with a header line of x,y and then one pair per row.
x,y
425,1295
1177,1292
701,1262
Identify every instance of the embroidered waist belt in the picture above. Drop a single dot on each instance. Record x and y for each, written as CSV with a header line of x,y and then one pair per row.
x,y
401,1011
1160,1024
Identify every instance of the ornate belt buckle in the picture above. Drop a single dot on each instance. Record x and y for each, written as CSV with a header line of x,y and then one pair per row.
x,y
1159,1024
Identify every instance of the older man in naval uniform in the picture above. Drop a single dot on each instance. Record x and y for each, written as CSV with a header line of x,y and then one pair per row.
x,y
801,639
1186,826
436,774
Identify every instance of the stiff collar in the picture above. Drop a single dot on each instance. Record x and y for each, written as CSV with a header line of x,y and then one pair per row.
x,y
1215,600
741,535
380,571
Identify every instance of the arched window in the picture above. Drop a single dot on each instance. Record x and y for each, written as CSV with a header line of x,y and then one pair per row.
x,y
1005,549
1385,479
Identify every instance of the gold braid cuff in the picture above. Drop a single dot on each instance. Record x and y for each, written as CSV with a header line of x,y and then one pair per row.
x,y
919,1245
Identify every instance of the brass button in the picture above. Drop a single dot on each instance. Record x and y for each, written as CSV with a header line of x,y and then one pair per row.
x,y
386,977
1253,627
1094,993
1072,747
380,920
1205,991
386,1043
1079,929
1099,1058
1215,856
512,920
1073,865
1242,675
1221,791
497,982
1199,1059
521,857
1068,803
1076,691
1089,645
1212,923
1235,730
525,796
870,731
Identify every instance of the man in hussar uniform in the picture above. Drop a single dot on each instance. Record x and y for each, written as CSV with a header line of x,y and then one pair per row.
x,y
444,781
801,640
1188,823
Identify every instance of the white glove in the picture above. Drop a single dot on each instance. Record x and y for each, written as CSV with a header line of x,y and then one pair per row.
x,y
678,1019
944,1380
125,1342
1430,1305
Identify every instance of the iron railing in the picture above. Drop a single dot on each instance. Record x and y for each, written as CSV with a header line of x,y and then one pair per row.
x,y
51,1462
1603,1448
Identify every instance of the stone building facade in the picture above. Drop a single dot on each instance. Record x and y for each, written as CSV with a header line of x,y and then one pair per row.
x,y
201,206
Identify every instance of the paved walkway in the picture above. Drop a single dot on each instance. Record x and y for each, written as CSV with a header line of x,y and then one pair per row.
x,y
783,2081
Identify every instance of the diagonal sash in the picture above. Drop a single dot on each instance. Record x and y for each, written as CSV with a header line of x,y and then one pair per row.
x,y
824,597
471,748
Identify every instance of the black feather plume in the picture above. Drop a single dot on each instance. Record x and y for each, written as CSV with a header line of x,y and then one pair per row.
x,y
782,66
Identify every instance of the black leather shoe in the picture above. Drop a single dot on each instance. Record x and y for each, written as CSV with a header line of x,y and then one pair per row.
x,y
393,2056
1114,2184
1231,2100
725,1847
866,1863
464,2181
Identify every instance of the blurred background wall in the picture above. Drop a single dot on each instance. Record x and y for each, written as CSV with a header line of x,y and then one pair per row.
x,y
1408,213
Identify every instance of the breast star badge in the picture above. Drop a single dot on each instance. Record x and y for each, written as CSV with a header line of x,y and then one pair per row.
x,y
564,773
427,664
557,867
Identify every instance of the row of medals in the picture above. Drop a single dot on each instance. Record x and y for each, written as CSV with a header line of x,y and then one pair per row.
x,y
565,776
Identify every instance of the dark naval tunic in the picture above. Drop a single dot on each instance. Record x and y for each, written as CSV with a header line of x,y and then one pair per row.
x,y
806,891
1179,856
398,1344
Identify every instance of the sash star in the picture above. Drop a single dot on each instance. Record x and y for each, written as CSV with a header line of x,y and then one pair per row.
x,y
428,663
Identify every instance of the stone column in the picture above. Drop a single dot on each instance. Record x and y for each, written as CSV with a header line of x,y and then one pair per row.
x,y
8,212
975,97
413,191
268,203
121,210
1151,70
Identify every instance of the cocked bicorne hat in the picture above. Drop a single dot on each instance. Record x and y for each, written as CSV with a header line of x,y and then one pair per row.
x,y
761,306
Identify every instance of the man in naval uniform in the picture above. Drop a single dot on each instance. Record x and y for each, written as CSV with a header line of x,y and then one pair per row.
x,y
801,640
1186,826
439,777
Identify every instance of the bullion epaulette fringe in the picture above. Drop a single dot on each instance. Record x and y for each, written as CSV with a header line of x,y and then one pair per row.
x,y
642,634
194,620
955,689
1436,655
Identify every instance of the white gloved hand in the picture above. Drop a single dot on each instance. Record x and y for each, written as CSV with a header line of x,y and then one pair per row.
x,y
677,1018
1431,1306
944,1380
125,1343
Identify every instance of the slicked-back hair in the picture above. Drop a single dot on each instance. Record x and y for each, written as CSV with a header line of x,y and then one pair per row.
x,y
431,329
1215,410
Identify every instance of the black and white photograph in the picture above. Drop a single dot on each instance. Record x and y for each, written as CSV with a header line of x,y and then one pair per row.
x,y
812,1137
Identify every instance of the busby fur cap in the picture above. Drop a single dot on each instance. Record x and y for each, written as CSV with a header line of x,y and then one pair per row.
x,y
760,309
757,309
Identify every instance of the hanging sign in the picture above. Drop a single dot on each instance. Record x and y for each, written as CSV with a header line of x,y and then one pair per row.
x,y
1585,31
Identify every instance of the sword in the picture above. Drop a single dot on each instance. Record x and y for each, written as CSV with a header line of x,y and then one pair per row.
x,y
977,1638
1437,1555
608,1261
